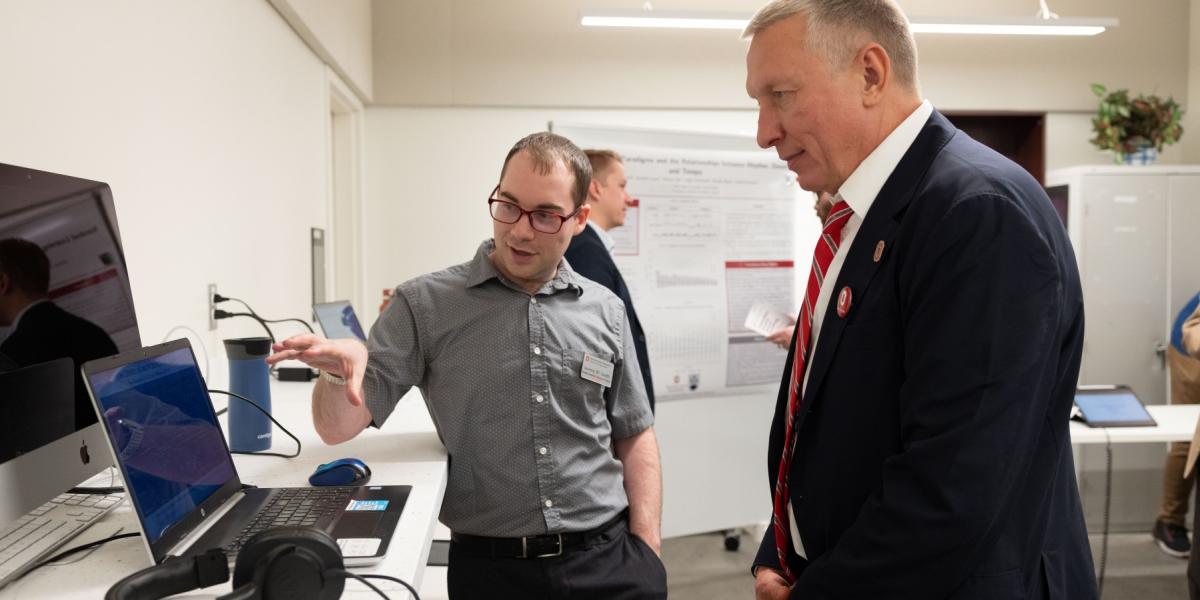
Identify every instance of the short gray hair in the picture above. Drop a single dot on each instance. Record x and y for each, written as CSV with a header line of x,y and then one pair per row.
x,y
837,29
547,151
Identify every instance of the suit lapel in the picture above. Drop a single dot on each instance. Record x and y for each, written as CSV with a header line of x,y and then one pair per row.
x,y
880,225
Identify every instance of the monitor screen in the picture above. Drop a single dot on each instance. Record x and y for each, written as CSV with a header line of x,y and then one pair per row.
x,y
338,320
64,299
165,435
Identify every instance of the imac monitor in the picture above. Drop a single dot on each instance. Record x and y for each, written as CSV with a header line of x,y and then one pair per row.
x,y
338,320
51,439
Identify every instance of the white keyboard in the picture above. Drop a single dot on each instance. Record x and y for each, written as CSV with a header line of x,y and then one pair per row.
x,y
34,536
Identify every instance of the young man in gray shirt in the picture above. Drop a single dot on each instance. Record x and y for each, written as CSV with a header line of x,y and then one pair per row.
x,y
530,374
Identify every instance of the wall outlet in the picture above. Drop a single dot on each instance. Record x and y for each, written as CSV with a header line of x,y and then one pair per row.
x,y
212,307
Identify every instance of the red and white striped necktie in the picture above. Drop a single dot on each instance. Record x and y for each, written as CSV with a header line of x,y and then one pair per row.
x,y
827,247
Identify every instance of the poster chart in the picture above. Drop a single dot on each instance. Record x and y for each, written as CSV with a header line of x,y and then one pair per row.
x,y
709,236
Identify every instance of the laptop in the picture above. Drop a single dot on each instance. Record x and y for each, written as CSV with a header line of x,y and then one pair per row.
x,y
338,320
181,479
1111,406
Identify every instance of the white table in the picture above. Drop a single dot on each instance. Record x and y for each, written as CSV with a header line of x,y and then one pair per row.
x,y
1176,423
405,452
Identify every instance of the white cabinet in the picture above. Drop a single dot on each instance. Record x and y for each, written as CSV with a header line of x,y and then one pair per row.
x,y
1136,233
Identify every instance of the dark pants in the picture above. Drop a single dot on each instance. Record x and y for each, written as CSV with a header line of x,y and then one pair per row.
x,y
1193,569
619,566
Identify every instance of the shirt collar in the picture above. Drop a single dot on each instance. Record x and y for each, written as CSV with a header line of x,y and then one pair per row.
x,y
482,270
605,239
863,185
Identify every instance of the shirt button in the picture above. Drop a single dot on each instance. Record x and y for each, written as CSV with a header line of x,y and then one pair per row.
x,y
538,398
543,451
537,350
549,504
533,300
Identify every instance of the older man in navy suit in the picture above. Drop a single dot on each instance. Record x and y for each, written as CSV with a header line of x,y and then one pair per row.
x,y
590,252
920,444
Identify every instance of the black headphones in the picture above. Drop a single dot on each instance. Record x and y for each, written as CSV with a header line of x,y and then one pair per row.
x,y
283,562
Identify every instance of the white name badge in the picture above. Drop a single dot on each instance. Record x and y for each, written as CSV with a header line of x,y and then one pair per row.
x,y
597,370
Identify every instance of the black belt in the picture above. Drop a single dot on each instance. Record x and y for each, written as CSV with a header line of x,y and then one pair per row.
x,y
536,546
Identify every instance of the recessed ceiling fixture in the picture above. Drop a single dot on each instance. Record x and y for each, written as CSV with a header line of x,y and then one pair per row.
x,y
1044,23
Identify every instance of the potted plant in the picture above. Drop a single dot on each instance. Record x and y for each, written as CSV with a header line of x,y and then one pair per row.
x,y
1135,129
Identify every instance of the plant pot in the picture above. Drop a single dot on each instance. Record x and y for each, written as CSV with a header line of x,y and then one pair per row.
x,y
1145,155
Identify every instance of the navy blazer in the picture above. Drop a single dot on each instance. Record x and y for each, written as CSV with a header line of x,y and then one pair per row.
x,y
933,459
588,257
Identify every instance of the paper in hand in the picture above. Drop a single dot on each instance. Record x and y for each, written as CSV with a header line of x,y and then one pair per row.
x,y
764,319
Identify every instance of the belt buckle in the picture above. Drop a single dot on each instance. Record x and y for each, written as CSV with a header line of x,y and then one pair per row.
x,y
525,548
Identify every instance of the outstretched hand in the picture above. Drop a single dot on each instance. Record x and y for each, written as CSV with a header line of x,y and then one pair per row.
x,y
345,358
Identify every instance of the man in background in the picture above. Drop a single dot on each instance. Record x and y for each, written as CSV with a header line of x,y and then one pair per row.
x,y
1170,529
590,252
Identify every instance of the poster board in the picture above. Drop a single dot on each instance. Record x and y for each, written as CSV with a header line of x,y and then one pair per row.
x,y
711,234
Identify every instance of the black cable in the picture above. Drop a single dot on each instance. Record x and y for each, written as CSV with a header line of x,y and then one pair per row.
x,y
364,578
78,549
96,491
300,321
1108,471
222,314
217,298
265,412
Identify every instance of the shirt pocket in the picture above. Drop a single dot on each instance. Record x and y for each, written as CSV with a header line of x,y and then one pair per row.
x,y
583,399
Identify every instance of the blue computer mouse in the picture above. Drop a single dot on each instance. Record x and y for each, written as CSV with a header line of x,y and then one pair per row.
x,y
343,471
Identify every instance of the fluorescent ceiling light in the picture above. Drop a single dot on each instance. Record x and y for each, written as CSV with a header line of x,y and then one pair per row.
x,y
1013,26
737,21
666,20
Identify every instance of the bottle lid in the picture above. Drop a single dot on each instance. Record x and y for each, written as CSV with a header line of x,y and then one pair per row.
x,y
248,348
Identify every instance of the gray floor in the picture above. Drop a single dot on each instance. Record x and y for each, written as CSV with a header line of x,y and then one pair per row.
x,y
699,568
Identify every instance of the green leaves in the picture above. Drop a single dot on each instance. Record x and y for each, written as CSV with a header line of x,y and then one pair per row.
x,y
1124,125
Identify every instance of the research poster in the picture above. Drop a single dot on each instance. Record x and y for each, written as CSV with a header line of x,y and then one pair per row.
x,y
709,236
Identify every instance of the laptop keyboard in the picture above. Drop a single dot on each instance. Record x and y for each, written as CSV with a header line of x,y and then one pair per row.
x,y
295,507
46,527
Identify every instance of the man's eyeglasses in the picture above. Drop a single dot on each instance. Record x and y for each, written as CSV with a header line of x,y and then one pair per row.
x,y
543,221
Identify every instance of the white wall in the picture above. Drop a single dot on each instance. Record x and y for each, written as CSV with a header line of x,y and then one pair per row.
x,y
207,118
339,33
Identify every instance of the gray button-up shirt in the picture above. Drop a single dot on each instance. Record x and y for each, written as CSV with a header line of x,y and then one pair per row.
x,y
530,441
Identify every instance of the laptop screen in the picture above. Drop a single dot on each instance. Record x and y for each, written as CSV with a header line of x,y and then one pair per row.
x,y
338,320
164,434
1115,407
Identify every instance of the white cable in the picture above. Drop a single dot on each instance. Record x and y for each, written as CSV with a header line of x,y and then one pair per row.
x,y
199,340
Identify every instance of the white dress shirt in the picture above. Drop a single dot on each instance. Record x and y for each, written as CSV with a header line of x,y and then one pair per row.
x,y
859,192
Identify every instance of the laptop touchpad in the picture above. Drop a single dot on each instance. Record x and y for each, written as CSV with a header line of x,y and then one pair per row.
x,y
357,524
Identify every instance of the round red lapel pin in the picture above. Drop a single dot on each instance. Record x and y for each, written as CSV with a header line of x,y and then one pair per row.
x,y
845,297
